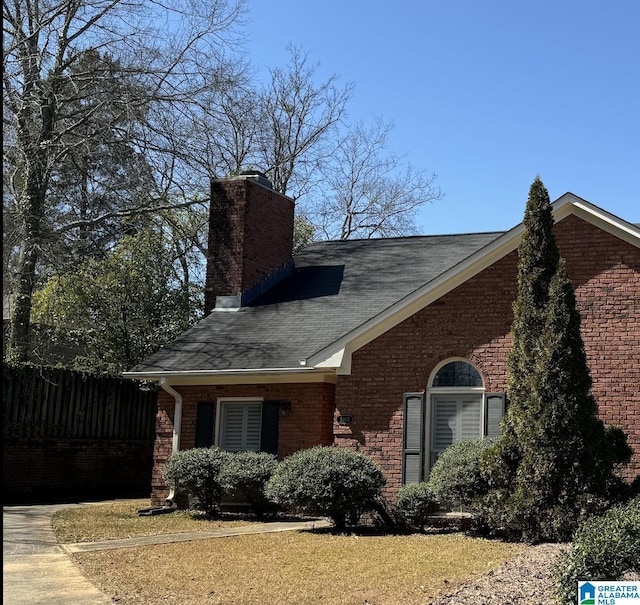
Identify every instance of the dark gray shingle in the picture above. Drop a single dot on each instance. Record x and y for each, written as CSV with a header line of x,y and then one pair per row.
x,y
335,287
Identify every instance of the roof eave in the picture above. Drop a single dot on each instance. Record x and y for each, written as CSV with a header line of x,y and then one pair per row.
x,y
570,203
410,304
338,354
236,376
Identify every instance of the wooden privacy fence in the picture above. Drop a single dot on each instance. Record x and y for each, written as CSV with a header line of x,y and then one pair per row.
x,y
43,403
70,436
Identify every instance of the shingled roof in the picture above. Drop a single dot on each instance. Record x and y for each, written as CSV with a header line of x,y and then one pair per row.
x,y
335,288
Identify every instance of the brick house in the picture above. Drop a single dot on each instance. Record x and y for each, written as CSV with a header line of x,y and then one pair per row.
x,y
396,347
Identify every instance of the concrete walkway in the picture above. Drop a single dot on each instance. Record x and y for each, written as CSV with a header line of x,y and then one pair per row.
x,y
254,528
34,568
38,570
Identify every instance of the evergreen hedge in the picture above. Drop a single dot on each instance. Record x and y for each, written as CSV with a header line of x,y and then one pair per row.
x,y
331,481
455,478
604,548
244,476
194,474
415,503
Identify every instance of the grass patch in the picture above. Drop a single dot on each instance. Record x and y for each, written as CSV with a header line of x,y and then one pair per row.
x,y
119,519
297,568
290,568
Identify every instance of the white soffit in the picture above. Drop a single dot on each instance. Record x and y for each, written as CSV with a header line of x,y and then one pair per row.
x,y
203,377
338,354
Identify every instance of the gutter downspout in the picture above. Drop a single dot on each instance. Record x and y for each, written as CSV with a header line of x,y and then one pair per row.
x,y
177,425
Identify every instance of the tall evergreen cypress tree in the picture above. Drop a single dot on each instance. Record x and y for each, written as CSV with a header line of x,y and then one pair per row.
x,y
537,262
554,460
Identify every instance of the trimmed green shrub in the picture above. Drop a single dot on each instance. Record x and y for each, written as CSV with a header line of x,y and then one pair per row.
x,y
330,481
455,478
245,474
416,501
195,473
604,548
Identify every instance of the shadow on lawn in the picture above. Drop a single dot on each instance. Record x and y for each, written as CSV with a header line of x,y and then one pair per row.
x,y
276,517
368,525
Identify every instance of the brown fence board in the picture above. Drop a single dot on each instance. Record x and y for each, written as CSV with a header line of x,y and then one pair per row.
x,y
40,404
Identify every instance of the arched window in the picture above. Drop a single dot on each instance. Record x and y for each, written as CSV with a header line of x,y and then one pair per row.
x,y
459,407
457,374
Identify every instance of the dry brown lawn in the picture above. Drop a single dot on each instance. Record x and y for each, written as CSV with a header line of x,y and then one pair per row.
x,y
291,568
119,519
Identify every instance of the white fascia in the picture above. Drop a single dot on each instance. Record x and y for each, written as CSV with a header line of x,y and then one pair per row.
x,y
239,376
572,204
338,355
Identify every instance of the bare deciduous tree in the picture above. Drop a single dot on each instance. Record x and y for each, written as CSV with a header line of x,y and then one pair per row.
x,y
117,112
370,192
170,54
301,123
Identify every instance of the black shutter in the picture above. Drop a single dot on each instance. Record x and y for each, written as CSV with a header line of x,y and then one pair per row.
x,y
413,438
270,421
205,415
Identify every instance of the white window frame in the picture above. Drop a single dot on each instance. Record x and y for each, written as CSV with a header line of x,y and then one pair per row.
x,y
224,401
430,411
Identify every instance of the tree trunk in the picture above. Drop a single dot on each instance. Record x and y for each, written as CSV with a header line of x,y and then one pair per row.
x,y
31,235
339,521
19,340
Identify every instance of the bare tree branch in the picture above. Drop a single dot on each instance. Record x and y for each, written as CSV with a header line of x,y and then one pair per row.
x,y
47,117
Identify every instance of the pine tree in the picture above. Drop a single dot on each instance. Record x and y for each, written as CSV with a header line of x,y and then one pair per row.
x,y
554,461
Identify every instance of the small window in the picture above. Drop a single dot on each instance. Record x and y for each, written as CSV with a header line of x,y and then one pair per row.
x,y
457,374
240,426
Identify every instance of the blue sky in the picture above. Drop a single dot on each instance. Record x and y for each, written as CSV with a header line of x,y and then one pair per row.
x,y
485,94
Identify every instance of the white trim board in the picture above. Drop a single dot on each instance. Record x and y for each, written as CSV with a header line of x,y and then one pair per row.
x,y
338,354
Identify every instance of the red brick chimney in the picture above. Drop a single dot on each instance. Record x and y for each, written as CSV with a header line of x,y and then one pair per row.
x,y
250,240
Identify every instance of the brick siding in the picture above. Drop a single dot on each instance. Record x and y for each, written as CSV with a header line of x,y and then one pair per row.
x,y
306,425
250,236
474,321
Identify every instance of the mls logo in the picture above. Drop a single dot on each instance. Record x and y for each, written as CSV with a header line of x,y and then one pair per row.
x,y
586,593
609,592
